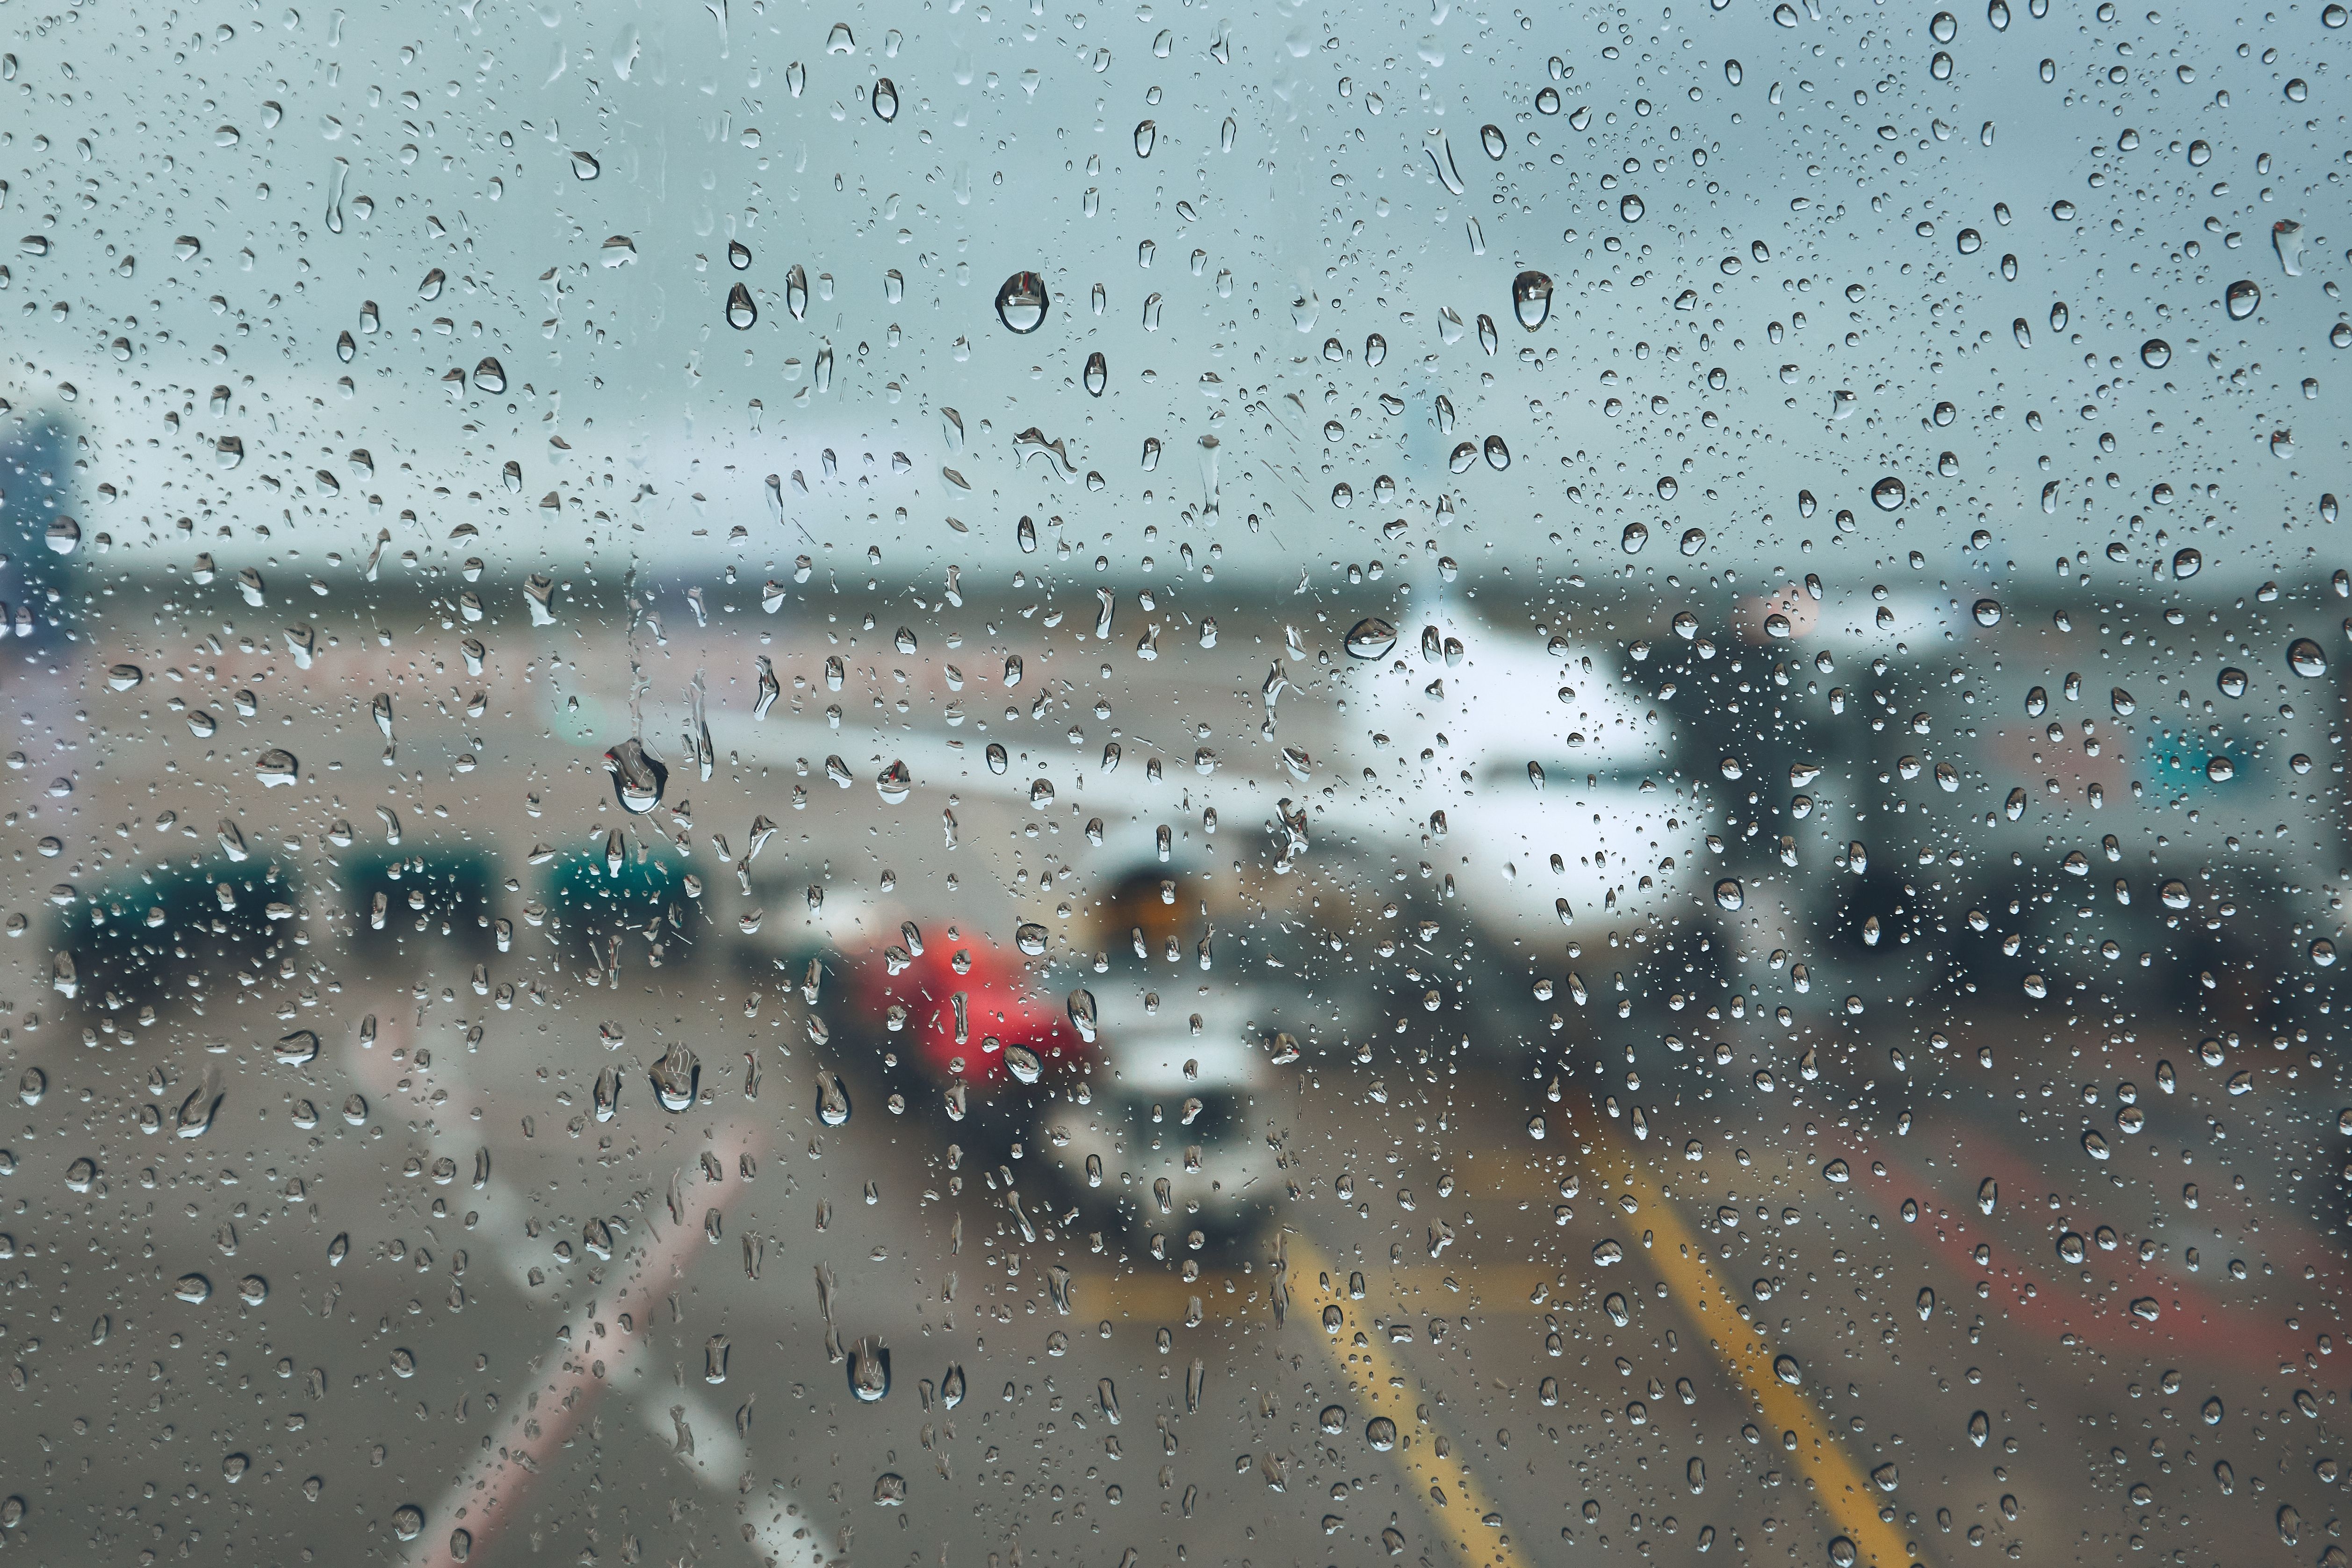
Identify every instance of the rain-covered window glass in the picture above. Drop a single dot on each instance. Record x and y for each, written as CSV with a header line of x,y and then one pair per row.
x,y
1002,787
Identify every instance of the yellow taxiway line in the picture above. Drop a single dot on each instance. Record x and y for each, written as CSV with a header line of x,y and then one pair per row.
x,y
1680,1256
1456,1506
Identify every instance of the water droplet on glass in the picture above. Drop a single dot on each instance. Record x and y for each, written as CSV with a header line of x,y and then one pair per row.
x,y
1888,494
1371,638
2286,239
885,99
676,1076
2156,353
741,313
639,778
832,1098
869,1373
1629,208
1729,894
1986,612
1381,1433
1021,303
2242,298
1531,299
1146,133
584,166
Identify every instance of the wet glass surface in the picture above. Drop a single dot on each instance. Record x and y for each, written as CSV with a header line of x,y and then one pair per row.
x,y
1146,787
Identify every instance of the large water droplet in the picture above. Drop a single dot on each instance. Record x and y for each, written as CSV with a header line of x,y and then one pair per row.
x,y
676,1076
639,778
1888,494
1729,894
1629,208
1986,612
1531,299
2156,353
870,1372
2304,657
1021,303
1381,1433
2286,239
1371,638
584,166
885,99
1146,132
2242,298
832,1099
740,311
